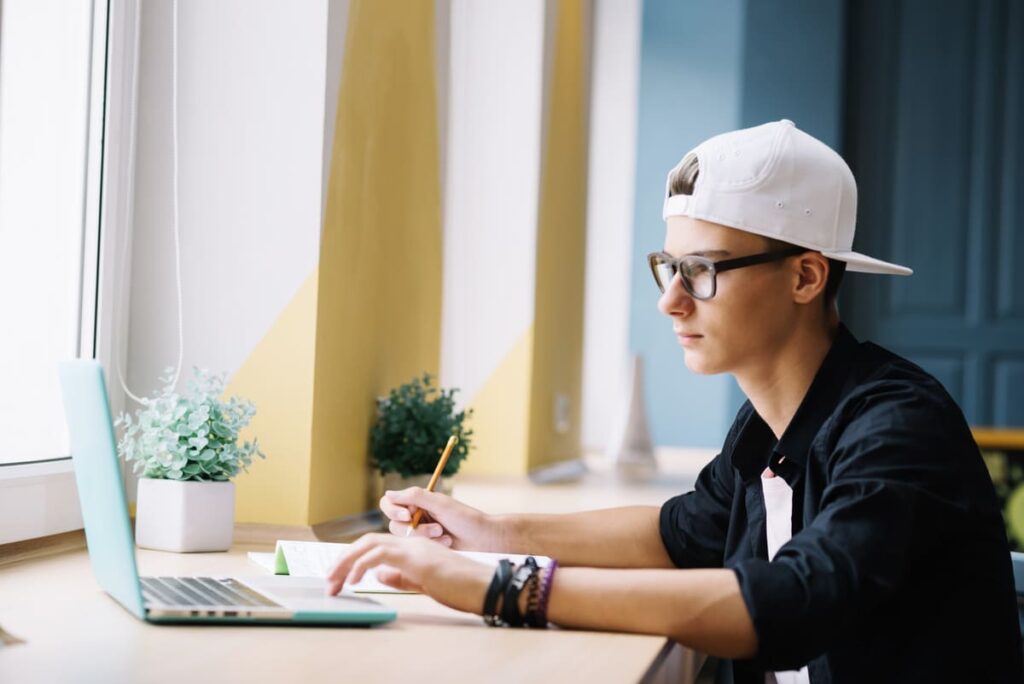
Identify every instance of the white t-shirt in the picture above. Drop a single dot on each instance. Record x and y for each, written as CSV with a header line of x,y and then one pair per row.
x,y
778,508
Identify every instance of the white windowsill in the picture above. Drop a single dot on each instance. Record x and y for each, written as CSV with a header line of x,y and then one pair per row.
x,y
38,500
16,472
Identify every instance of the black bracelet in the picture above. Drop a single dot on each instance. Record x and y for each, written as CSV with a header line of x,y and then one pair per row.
x,y
533,617
502,575
510,613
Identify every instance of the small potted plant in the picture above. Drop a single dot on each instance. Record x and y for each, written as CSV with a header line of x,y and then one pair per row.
x,y
413,425
187,451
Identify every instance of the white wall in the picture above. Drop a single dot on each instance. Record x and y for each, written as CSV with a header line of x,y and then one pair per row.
x,y
258,89
252,110
492,183
337,27
613,112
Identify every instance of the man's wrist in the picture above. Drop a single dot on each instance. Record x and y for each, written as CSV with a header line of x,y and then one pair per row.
x,y
504,533
480,581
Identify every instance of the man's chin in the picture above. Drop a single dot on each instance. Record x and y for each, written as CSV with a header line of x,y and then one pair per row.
x,y
698,363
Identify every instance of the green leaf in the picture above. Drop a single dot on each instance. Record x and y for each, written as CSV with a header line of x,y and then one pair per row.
x,y
413,424
187,437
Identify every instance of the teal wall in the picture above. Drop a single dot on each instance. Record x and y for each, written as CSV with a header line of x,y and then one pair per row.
x,y
793,65
706,68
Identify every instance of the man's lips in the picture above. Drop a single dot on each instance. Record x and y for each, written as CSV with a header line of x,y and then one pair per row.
x,y
686,337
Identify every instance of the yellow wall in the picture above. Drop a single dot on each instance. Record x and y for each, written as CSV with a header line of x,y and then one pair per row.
x,y
379,304
514,411
500,420
278,378
561,243
369,318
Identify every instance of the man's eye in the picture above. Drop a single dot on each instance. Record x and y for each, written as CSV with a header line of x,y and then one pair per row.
x,y
695,270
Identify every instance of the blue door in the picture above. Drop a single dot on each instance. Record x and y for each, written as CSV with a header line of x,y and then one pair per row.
x,y
934,133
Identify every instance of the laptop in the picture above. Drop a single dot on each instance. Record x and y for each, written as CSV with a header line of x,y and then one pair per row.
x,y
269,599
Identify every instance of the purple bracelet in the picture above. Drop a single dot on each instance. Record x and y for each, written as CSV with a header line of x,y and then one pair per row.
x,y
545,590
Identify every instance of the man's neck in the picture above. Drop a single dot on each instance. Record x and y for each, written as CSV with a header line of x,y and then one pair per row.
x,y
776,388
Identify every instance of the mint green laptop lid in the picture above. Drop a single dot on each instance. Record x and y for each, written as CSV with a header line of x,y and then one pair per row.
x,y
108,531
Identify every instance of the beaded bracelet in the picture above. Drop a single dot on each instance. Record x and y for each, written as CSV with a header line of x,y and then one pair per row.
x,y
545,593
532,617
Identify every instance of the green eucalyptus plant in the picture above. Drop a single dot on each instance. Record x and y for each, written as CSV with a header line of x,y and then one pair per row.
x,y
413,425
173,437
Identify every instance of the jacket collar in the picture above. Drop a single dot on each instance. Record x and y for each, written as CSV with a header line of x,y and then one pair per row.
x,y
755,440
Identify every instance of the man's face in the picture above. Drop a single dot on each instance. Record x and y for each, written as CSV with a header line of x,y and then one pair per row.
x,y
747,319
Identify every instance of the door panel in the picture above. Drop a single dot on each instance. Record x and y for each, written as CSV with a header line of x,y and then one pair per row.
x,y
934,123
1009,391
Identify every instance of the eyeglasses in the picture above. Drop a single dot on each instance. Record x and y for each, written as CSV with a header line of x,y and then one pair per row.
x,y
699,274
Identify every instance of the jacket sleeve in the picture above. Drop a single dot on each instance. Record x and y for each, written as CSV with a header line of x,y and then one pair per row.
x,y
694,525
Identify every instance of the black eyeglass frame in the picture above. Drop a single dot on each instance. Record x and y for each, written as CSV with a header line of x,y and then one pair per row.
x,y
654,259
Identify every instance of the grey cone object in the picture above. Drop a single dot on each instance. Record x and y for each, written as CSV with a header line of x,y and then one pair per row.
x,y
631,450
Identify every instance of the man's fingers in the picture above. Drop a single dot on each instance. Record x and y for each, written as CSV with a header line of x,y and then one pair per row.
x,y
336,578
416,497
372,558
429,530
389,576
394,511
396,579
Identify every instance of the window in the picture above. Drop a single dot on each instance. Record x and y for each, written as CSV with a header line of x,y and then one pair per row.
x,y
52,83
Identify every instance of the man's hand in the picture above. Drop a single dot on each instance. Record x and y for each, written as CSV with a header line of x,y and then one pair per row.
x,y
444,519
415,564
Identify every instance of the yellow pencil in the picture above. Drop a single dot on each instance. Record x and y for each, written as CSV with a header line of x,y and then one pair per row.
x,y
433,481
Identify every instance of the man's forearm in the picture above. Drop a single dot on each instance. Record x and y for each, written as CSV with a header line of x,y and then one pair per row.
x,y
703,609
611,538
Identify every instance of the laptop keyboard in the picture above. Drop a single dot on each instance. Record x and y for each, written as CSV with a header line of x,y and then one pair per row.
x,y
201,591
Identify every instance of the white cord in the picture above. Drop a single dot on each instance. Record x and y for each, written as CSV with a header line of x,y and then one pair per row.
x,y
174,145
122,259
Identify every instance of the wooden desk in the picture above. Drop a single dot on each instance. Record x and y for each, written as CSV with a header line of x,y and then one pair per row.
x,y
76,633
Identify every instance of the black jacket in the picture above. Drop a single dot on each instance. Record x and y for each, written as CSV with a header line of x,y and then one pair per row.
x,y
898,569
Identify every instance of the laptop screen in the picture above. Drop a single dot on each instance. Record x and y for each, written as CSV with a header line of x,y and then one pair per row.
x,y
108,531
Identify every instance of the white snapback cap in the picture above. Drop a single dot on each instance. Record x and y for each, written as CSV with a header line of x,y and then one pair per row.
x,y
777,181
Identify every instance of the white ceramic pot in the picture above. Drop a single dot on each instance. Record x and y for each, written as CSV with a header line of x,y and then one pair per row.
x,y
171,515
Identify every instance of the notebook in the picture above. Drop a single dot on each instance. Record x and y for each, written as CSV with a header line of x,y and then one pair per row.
x,y
317,559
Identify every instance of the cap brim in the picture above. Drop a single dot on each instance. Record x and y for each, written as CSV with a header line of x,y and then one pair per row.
x,y
861,263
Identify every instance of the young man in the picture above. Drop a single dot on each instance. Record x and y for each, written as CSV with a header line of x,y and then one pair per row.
x,y
847,532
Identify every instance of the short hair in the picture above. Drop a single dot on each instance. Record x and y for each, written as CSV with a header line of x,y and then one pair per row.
x,y
683,181
836,269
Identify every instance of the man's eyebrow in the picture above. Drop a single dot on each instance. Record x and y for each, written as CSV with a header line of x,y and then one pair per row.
x,y
710,253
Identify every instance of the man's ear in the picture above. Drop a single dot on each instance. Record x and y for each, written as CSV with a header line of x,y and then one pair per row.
x,y
811,273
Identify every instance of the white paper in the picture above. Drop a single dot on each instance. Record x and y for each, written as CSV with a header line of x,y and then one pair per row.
x,y
264,560
317,559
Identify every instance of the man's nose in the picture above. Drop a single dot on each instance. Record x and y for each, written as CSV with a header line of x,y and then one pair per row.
x,y
675,300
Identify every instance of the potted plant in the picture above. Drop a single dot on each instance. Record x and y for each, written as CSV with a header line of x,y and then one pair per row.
x,y
413,425
187,451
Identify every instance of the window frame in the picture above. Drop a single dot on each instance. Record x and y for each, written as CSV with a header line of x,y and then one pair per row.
x,y
40,498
